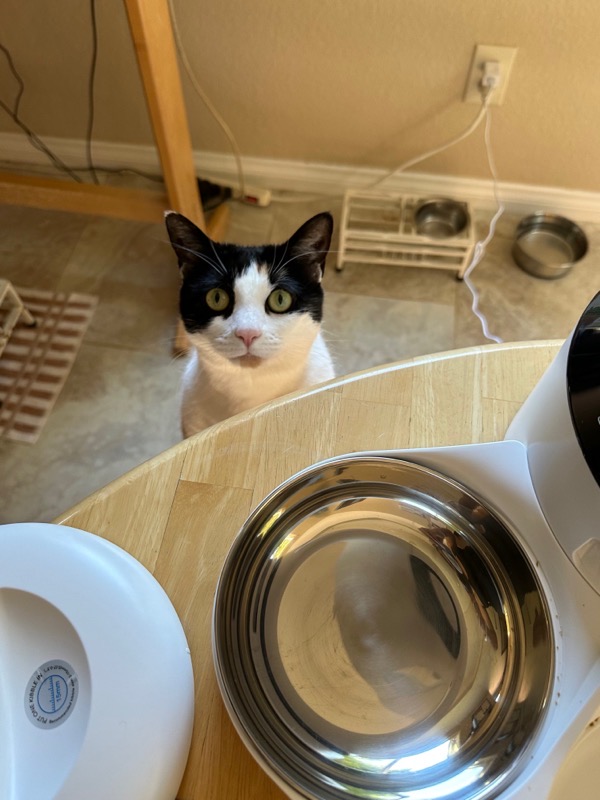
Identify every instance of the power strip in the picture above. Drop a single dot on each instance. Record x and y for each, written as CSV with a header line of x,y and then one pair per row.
x,y
253,195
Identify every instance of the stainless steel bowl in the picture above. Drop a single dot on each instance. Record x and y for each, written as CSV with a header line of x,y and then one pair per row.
x,y
379,632
547,245
441,218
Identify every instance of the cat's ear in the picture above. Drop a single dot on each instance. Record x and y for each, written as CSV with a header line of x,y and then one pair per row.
x,y
191,245
311,242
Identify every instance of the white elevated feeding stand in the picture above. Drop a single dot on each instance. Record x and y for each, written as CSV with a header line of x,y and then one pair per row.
x,y
405,231
97,693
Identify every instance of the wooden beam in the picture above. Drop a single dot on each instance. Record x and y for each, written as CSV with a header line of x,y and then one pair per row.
x,y
82,198
217,223
152,35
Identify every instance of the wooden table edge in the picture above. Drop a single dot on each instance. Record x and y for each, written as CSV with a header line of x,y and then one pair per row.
x,y
336,383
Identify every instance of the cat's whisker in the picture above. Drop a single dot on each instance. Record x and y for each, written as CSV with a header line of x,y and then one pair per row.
x,y
217,256
177,245
218,266
167,344
293,258
282,256
213,264
336,341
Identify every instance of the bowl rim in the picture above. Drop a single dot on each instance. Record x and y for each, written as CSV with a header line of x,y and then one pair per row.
x,y
562,227
458,209
241,546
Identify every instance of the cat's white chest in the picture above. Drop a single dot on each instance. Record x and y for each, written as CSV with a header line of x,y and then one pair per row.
x,y
215,390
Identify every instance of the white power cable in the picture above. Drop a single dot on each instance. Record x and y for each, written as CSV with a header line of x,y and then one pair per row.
x,y
207,101
480,247
417,159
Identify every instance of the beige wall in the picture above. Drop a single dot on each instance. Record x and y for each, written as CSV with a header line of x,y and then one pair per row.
x,y
360,82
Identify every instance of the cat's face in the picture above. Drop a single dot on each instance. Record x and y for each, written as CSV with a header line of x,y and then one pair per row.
x,y
249,304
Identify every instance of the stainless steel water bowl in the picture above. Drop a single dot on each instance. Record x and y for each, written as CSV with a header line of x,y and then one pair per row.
x,y
379,632
441,218
547,245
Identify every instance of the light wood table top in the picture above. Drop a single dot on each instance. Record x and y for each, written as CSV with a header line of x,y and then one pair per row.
x,y
179,512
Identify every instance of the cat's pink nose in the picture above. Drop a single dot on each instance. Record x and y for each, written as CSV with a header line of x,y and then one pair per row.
x,y
247,335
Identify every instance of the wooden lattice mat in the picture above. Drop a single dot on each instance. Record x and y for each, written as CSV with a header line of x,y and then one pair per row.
x,y
37,360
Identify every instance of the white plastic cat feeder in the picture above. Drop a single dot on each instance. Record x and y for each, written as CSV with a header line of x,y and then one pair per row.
x,y
405,231
97,689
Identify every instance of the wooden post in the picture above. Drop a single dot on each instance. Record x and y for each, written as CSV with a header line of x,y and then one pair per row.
x,y
152,36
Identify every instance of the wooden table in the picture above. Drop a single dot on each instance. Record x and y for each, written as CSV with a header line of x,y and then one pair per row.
x,y
179,512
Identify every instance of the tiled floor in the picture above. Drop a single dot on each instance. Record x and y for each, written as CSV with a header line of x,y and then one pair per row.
x,y
120,404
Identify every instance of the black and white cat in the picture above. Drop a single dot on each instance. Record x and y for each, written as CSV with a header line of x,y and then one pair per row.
x,y
253,318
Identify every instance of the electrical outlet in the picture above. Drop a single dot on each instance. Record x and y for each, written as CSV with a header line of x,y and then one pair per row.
x,y
505,57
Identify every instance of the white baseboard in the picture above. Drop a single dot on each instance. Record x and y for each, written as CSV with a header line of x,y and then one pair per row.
x,y
299,176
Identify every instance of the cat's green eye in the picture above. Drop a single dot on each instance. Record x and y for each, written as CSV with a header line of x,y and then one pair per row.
x,y
217,299
279,301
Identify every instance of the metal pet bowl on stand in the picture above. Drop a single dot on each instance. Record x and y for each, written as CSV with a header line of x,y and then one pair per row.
x,y
441,218
388,229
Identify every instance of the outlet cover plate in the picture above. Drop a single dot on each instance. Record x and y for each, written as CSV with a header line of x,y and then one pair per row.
x,y
505,56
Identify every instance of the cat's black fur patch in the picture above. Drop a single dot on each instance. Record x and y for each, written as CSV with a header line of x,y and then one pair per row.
x,y
296,266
